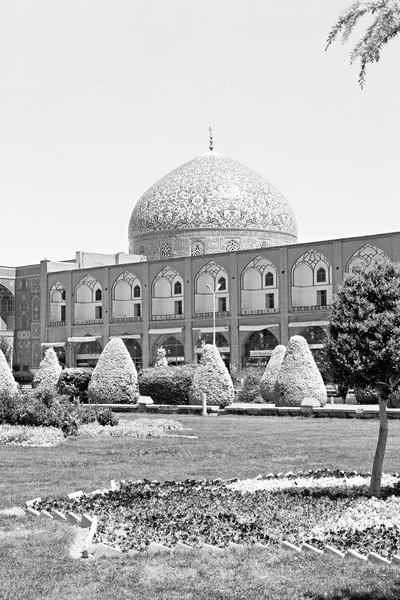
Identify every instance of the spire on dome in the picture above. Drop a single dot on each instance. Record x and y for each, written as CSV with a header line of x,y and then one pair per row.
x,y
211,140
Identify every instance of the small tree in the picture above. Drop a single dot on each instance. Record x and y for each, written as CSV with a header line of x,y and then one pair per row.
x,y
161,358
268,380
299,377
8,385
364,339
384,27
211,378
114,379
46,378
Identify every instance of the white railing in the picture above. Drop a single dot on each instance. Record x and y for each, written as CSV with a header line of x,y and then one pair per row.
x,y
87,321
209,315
260,311
315,307
166,317
126,319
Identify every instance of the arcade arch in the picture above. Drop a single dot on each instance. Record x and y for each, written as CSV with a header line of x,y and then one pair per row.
x,y
167,295
260,287
126,298
311,280
88,305
211,278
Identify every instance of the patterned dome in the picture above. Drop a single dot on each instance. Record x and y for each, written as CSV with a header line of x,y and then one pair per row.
x,y
209,204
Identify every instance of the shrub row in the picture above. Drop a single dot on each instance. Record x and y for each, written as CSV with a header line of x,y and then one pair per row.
x,y
167,385
50,411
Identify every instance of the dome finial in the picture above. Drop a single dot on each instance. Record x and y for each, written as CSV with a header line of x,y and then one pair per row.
x,y
211,141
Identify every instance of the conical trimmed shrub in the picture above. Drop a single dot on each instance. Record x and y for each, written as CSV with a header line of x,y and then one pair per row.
x,y
114,379
268,380
8,385
48,374
299,376
212,378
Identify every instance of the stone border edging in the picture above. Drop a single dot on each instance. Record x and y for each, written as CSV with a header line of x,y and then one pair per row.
x,y
100,549
351,411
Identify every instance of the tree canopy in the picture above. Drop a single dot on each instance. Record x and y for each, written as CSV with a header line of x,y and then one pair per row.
x,y
384,27
363,340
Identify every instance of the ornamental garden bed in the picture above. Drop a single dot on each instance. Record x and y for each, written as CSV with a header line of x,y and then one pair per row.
x,y
318,507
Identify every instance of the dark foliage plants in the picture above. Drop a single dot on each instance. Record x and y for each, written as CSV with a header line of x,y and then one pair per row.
x,y
74,383
199,511
167,385
47,410
250,388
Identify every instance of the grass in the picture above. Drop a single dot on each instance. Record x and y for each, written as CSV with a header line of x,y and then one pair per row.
x,y
34,561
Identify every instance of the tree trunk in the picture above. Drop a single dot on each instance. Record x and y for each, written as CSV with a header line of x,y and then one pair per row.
x,y
376,477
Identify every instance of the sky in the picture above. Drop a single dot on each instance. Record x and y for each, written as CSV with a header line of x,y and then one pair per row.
x,y
101,98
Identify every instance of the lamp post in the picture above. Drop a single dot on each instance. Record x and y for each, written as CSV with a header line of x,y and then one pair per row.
x,y
214,292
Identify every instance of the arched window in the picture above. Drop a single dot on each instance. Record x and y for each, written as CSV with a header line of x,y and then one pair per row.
x,y
321,275
177,288
98,295
222,283
63,295
10,305
269,279
136,291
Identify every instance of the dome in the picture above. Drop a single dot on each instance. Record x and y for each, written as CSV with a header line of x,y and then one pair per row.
x,y
210,204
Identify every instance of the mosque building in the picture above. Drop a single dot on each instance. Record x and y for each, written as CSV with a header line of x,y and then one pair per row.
x,y
213,249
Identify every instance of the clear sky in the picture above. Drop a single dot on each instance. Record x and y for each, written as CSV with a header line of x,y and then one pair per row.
x,y
101,98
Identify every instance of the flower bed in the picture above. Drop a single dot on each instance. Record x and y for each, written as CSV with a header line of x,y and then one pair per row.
x,y
137,428
26,435
318,508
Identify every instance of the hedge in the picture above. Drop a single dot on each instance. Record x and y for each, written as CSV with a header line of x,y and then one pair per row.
x,y
74,383
167,385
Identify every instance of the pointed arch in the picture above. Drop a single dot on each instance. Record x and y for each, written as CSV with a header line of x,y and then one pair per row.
x,y
126,295
167,295
57,304
258,347
87,306
311,279
259,287
175,352
366,257
207,297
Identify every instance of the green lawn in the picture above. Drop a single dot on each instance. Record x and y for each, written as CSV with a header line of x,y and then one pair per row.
x,y
34,561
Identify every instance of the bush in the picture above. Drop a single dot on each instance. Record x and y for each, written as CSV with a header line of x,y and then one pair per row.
x,y
268,380
169,385
8,385
250,389
212,378
48,374
299,377
25,409
366,395
107,417
75,383
23,378
114,379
